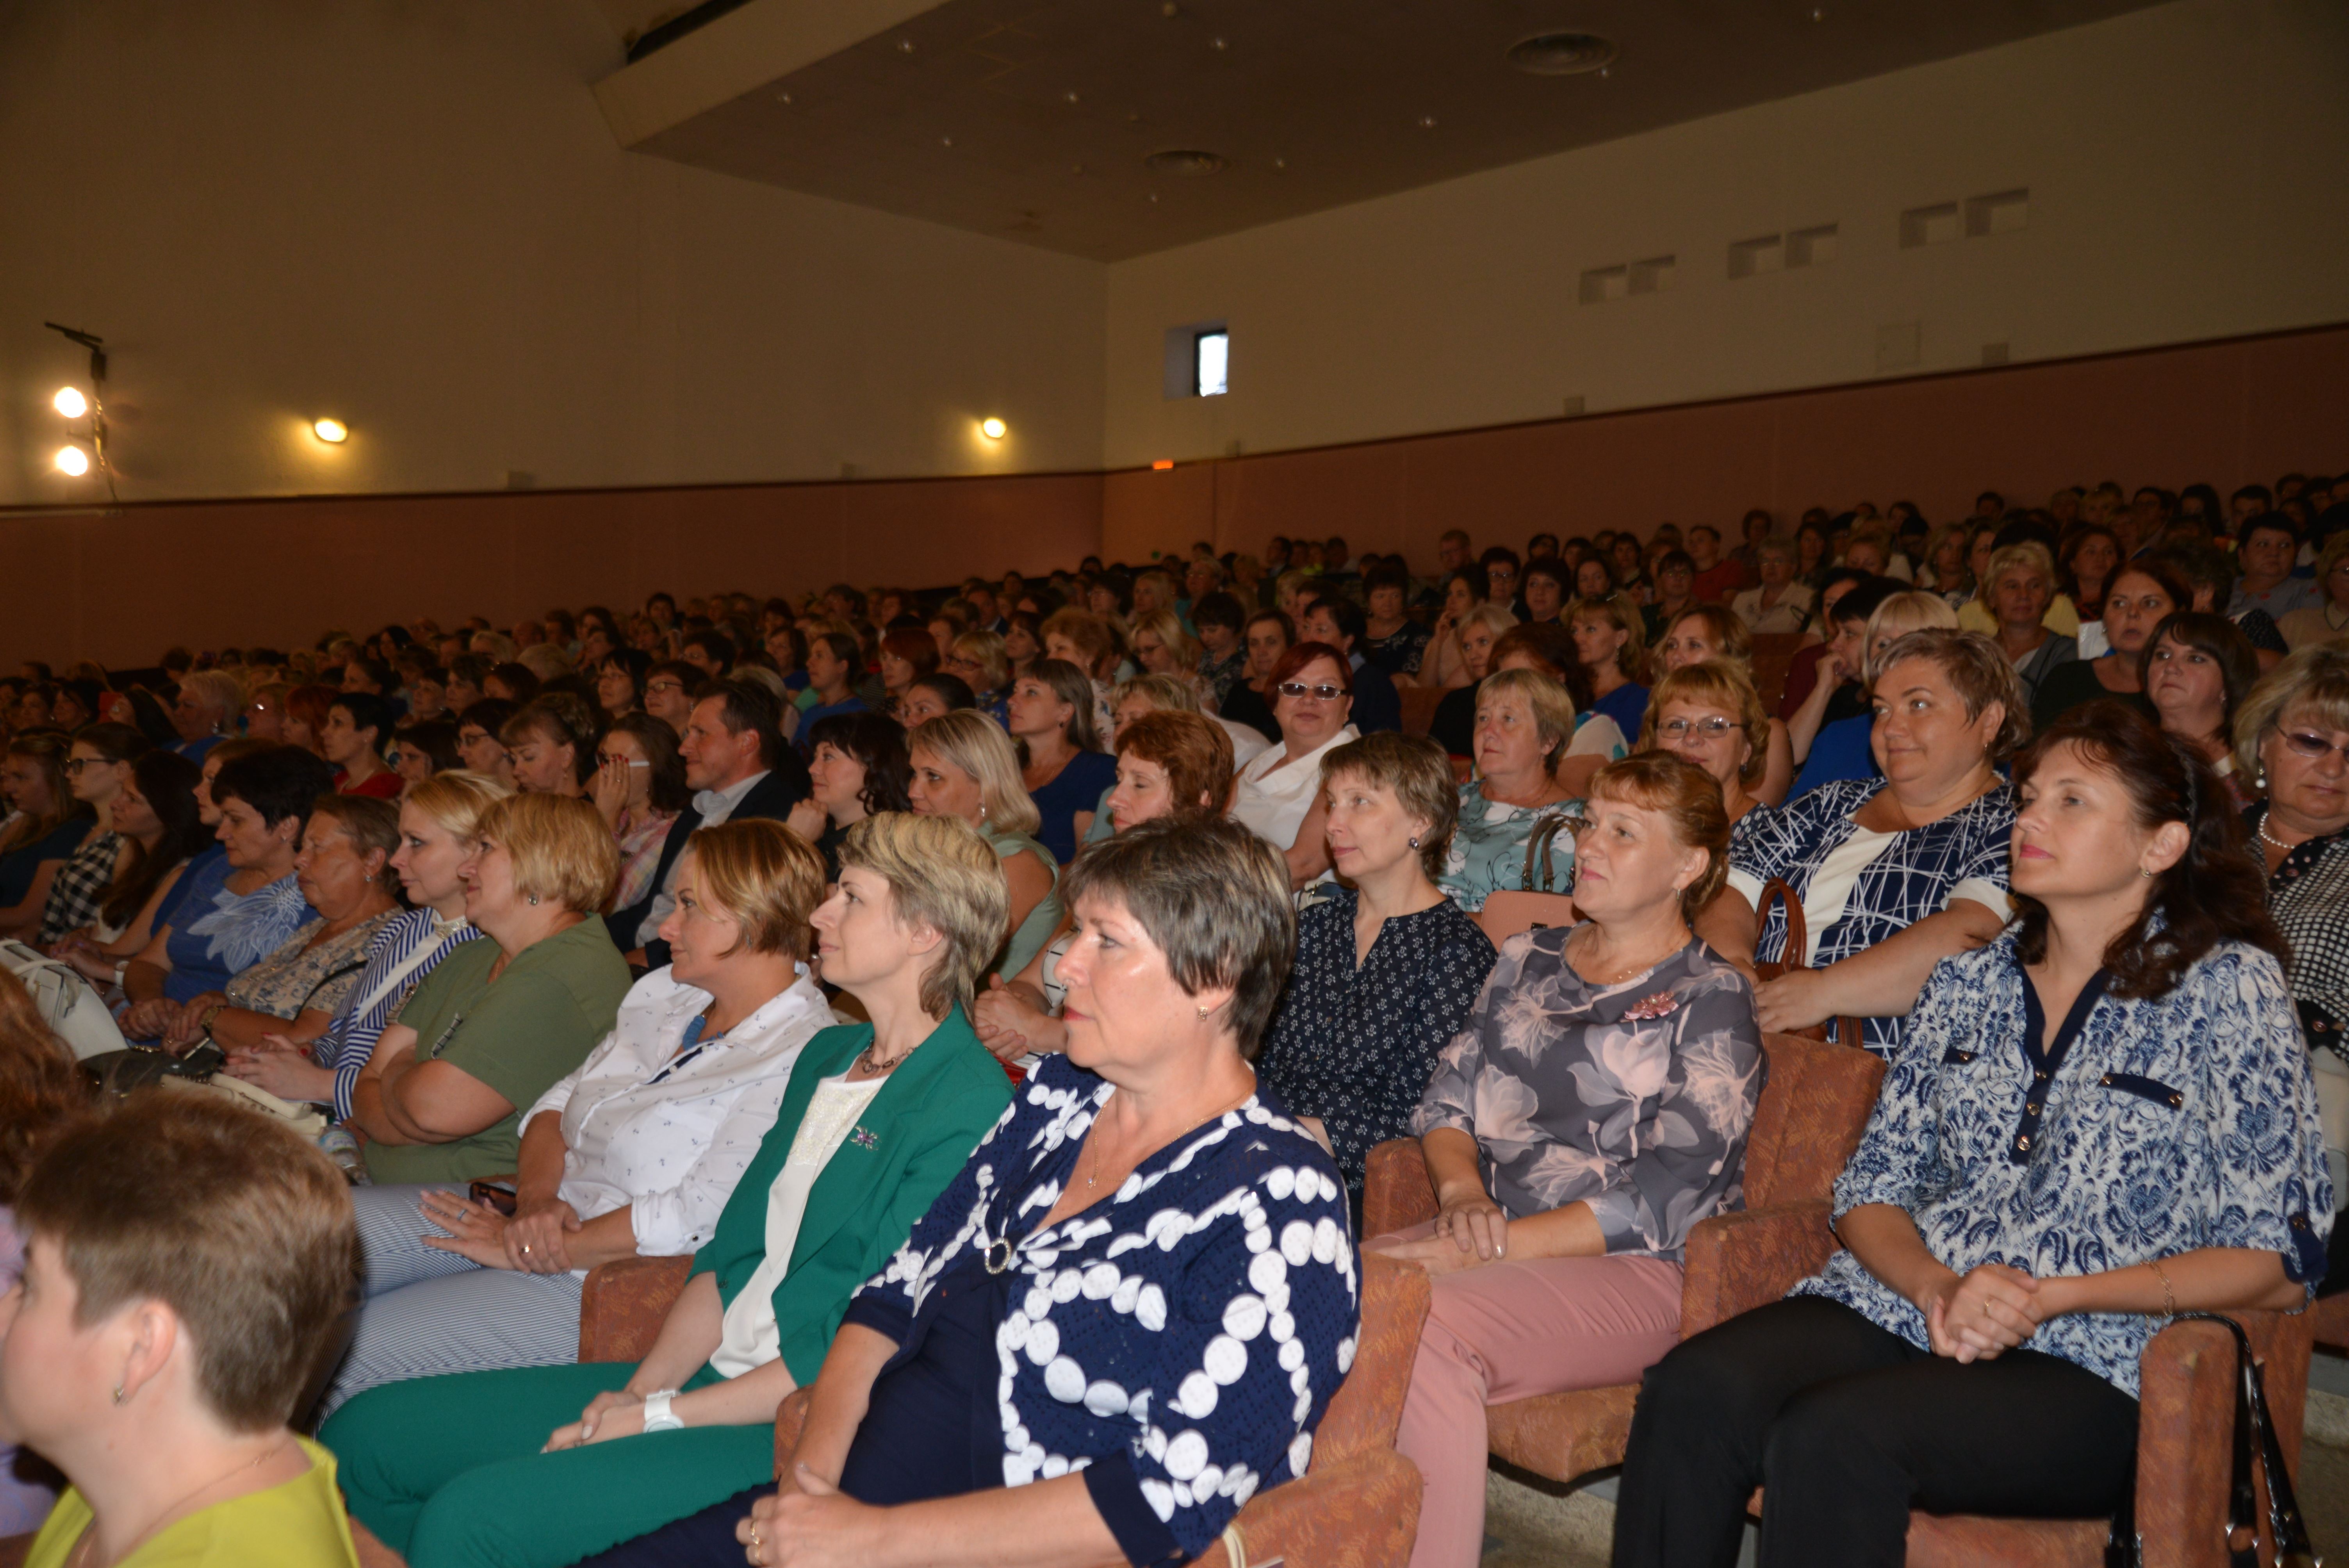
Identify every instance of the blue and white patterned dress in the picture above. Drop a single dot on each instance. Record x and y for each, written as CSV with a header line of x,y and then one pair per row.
x,y
1857,888
402,952
2160,1126
1177,1341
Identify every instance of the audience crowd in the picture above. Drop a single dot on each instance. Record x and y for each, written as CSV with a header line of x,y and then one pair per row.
x,y
997,993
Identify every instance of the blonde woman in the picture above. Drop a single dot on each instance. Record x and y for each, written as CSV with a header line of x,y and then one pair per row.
x,y
1161,648
2019,587
1708,713
1609,638
1708,632
1843,750
964,767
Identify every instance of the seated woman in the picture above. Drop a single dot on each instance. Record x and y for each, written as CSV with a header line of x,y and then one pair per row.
x,y
963,766
97,771
1607,1079
1844,747
1172,765
239,909
1165,694
206,706
1444,663
344,872
1893,877
1278,796
2144,593
497,1023
1777,606
157,810
46,825
1514,829
421,748
2326,617
907,653
620,682
1390,638
638,788
1387,966
2019,587
157,1355
1145,1412
1705,632
358,724
464,1469
1161,648
2012,1246
438,823
980,659
1477,633
552,740
306,716
1052,713
1709,713
1608,637
2197,668
934,694
1546,586
631,1154
860,770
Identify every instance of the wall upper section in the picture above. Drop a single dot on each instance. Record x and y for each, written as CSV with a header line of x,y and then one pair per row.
x,y
413,218
2181,164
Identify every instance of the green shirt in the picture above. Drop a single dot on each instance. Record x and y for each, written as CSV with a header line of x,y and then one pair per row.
x,y
519,1035
297,1525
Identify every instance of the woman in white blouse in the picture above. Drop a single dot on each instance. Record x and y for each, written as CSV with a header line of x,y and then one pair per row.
x,y
1278,796
635,1154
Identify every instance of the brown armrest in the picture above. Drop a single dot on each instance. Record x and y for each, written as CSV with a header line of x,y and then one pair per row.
x,y
1364,1514
790,1415
1742,1261
623,1304
1396,1192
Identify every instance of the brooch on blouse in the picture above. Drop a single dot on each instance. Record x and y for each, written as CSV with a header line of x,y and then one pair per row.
x,y
1663,1005
863,1139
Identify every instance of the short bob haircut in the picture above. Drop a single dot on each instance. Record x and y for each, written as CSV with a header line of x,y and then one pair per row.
x,y
1618,611
1164,693
1897,614
1090,636
1546,699
1167,627
764,876
1689,796
370,824
1215,900
2026,554
1726,630
1714,683
1981,672
2209,633
1194,750
1300,654
1494,618
280,782
975,744
562,851
912,645
877,743
557,718
942,874
1419,773
456,799
237,1223
986,650
2311,686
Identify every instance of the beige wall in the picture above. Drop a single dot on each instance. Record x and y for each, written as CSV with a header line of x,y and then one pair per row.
x,y
2183,164
411,215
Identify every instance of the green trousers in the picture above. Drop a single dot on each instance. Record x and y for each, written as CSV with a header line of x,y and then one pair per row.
x,y
448,1472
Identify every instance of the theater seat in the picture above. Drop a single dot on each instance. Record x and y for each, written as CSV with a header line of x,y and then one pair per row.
x,y
14,1549
1813,1108
1773,653
1419,706
1505,914
1356,1507
2330,1320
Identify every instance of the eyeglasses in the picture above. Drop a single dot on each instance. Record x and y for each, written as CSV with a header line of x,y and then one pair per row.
x,y
75,764
1318,692
1711,728
664,685
2312,747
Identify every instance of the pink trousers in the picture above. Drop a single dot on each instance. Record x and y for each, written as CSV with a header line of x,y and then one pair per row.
x,y
1510,1330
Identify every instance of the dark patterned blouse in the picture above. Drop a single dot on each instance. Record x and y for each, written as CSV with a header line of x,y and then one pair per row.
x,y
2309,896
1354,1045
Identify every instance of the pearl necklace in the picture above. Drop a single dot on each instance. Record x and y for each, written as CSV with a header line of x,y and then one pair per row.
x,y
2270,838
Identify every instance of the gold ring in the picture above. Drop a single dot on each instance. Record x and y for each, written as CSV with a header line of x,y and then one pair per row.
x,y
754,1536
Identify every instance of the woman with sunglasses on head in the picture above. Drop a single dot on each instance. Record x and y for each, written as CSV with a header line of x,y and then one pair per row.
x,y
1278,796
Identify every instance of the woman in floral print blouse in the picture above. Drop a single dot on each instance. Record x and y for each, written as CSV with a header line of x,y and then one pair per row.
x,y
2102,1119
1594,1110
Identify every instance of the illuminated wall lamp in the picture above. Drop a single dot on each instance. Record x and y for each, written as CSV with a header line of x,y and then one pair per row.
x,y
69,402
334,432
993,428
71,461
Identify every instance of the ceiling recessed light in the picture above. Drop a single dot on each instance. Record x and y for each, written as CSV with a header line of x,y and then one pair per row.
x,y
1561,54
992,428
332,432
1188,162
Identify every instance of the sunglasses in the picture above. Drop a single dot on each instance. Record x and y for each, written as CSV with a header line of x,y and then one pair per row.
x,y
1318,692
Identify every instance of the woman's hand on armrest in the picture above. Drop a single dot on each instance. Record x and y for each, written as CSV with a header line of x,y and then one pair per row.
x,y
1882,982
810,1523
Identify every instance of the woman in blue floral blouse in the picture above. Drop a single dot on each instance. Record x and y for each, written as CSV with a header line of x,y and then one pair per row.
x,y
1593,1110
2104,1117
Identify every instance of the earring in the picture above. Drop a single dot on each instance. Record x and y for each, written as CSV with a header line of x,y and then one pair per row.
x,y
2142,871
1204,1011
1414,840
533,900
118,1393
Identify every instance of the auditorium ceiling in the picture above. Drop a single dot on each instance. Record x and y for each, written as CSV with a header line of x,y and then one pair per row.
x,y
1112,129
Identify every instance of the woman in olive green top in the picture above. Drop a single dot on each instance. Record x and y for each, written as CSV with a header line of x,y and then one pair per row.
x,y
964,766
496,1023
547,1465
188,1263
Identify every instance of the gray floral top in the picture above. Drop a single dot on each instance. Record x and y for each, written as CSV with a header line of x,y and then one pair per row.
x,y
298,976
1635,1098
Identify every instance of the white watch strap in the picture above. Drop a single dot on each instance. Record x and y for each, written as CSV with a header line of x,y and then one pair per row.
x,y
658,1417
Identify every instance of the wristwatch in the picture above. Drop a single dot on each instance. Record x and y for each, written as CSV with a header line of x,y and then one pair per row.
x,y
658,1417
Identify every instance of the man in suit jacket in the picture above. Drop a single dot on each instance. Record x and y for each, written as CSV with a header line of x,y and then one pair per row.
x,y
739,766
1340,624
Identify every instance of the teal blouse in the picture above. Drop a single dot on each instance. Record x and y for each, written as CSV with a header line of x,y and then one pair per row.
x,y
1488,849
1044,919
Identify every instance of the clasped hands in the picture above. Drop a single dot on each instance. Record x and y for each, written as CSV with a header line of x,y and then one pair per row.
x,y
1470,1231
1987,1311
809,1523
535,1240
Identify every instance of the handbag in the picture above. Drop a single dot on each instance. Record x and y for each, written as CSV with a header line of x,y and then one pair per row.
x,y
1539,847
1841,1031
2254,1429
69,1004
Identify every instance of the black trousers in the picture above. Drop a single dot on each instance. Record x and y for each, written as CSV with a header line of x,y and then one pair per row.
x,y
1850,1426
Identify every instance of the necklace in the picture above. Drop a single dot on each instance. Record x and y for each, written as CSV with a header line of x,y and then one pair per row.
x,y
1619,976
2270,840
867,1062
87,1552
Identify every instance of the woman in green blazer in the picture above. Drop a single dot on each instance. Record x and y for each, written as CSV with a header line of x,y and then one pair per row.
x,y
547,1465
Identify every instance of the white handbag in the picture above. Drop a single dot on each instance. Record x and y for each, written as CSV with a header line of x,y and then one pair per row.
x,y
69,1004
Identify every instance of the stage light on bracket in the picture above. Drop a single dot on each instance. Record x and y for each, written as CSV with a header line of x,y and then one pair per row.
x,y
71,461
993,428
70,402
334,432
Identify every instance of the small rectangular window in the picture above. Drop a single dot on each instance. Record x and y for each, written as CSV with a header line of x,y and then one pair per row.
x,y
1210,363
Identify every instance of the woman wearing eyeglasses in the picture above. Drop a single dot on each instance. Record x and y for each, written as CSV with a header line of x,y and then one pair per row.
x,y
1278,795
639,788
1708,713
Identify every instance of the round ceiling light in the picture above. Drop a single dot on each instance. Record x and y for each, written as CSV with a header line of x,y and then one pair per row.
x,y
1561,54
1187,162
332,432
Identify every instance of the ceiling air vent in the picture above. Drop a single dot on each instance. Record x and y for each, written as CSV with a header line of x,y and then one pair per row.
x,y
1187,162
1561,54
